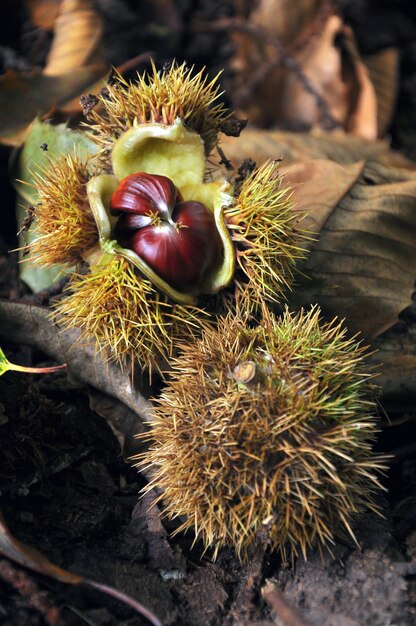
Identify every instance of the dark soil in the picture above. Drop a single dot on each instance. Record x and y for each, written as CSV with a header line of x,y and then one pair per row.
x,y
64,485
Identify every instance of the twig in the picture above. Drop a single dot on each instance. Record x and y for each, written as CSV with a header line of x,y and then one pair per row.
x,y
131,64
224,161
283,58
314,28
30,591
286,615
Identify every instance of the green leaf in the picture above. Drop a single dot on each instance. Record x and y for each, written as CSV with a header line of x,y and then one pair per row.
x,y
59,140
31,158
6,366
4,363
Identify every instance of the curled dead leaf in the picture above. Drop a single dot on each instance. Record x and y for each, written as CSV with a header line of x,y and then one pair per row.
x,y
77,38
75,64
339,77
384,68
258,66
286,19
296,65
43,13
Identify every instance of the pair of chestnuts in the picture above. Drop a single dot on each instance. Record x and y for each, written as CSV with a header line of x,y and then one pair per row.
x,y
177,239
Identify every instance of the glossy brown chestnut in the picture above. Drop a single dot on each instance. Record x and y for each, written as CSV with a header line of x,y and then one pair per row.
x,y
178,240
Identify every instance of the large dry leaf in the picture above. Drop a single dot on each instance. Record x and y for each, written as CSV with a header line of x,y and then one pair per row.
x,y
261,145
26,96
314,194
363,265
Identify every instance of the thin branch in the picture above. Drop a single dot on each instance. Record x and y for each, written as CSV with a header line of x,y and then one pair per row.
x,y
283,58
29,590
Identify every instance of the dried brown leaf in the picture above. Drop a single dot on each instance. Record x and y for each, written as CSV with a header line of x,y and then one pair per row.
x,y
312,194
26,96
363,265
395,360
286,19
77,38
383,68
360,118
258,62
321,63
339,77
261,145
43,13
398,375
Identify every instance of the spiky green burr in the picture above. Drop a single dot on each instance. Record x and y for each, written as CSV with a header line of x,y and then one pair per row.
x,y
161,127
64,224
161,98
266,432
266,232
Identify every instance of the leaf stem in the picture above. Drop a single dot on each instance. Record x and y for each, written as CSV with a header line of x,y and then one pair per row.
x,y
36,370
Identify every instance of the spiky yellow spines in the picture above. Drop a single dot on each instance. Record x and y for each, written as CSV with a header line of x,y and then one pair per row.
x,y
266,233
64,224
160,97
123,315
266,432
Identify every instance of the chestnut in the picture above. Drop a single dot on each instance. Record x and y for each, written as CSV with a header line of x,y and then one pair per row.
x,y
178,239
